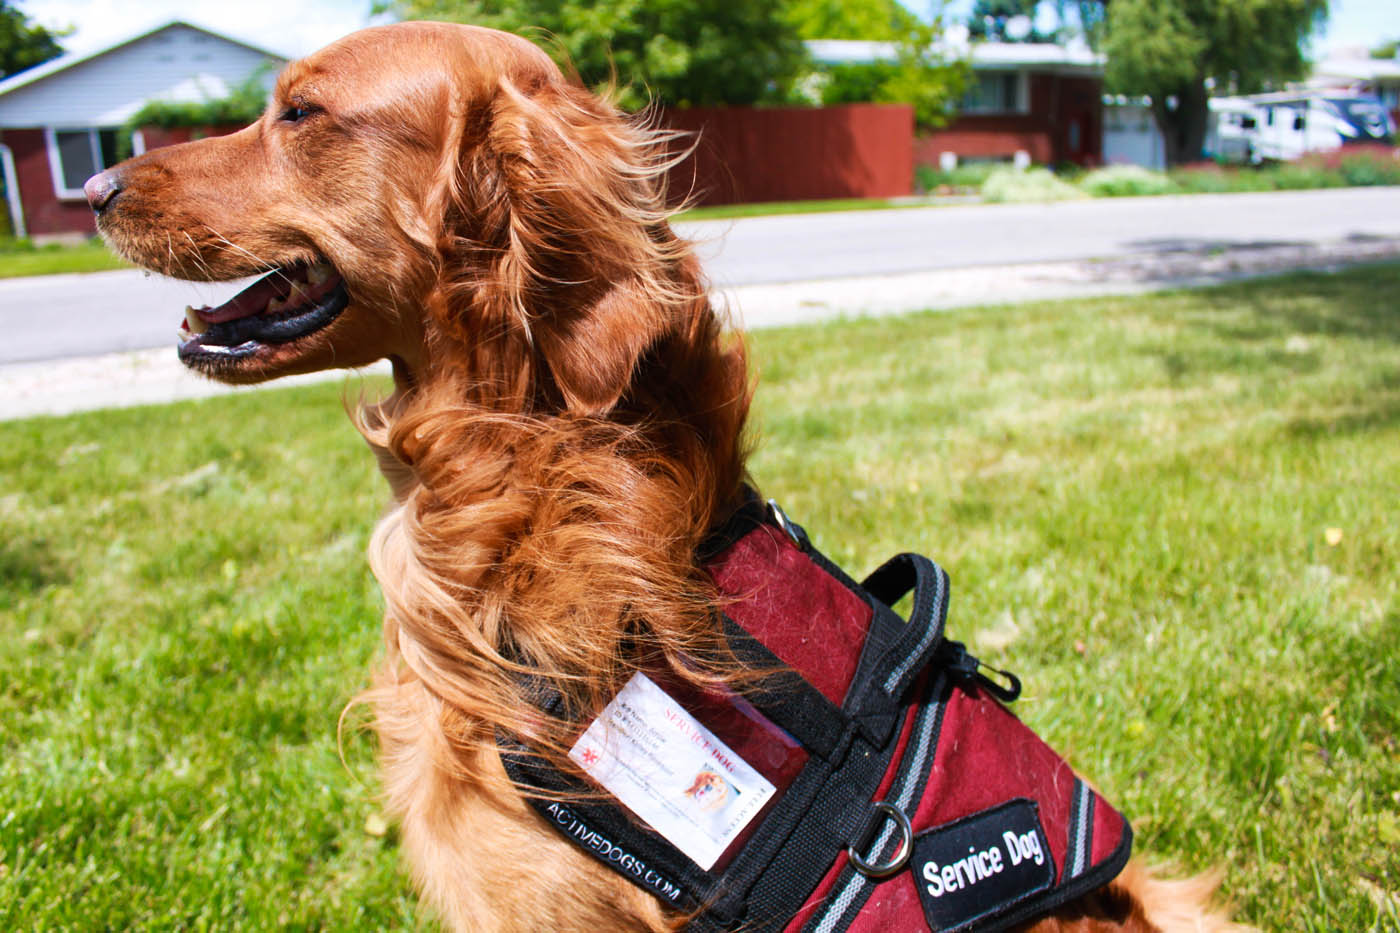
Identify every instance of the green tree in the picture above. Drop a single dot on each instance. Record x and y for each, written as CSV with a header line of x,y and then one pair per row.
x,y
680,52
1389,49
1091,15
1168,49
879,20
23,44
989,18
917,74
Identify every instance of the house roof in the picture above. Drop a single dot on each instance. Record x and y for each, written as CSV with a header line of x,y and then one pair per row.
x,y
1358,69
1016,56
64,62
176,61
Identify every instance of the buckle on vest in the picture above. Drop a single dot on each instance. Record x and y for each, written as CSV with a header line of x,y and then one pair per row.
x,y
795,532
872,823
962,664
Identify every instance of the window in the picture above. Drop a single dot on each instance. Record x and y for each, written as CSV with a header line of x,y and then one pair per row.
x,y
996,92
77,155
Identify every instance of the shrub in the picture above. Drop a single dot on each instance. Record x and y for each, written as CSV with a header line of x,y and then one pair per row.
x,y
1203,178
1306,173
1010,185
243,105
1117,181
1370,165
968,176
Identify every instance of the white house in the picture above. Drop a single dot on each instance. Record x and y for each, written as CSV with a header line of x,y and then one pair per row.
x,y
59,121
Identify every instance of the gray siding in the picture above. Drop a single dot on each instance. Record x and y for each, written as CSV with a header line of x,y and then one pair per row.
x,y
175,63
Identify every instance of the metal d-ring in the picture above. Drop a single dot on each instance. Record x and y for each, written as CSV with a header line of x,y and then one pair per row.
x,y
901,857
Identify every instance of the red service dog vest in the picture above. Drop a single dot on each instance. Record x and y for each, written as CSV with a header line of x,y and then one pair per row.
x,y
876,782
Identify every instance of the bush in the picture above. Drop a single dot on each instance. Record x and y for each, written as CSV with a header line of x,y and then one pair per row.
x,y
1204,178
1118,181
1305,174
1370,165
967,177
1010,186
242,106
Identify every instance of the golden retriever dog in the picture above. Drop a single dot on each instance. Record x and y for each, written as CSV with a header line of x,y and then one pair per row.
x,y
566,423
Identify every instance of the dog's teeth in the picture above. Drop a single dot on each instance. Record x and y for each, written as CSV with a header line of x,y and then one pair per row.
x,y
319,274
195,322
276,304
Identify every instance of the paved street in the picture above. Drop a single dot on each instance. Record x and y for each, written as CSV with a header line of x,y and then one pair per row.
x,y
76,342
799,248
59,317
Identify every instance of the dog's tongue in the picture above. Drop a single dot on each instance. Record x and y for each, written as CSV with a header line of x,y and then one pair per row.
x,y
252,300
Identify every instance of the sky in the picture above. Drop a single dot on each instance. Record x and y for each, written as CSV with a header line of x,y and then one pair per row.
x,y
296,27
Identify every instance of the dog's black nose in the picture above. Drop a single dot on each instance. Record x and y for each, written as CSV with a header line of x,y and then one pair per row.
x,y
101,189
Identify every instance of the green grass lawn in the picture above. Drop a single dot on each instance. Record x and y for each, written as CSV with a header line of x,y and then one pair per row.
x,y
21,258
1175,517
774,208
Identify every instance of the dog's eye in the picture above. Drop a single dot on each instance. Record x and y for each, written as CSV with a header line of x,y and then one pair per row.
x,y
297,112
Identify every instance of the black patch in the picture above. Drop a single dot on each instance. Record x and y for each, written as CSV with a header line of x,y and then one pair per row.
x,y
981,865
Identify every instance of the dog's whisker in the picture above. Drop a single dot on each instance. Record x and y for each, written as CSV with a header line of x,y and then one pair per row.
x,y
261,263
196,257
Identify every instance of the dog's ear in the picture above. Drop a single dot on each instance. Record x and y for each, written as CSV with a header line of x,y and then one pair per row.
x,y
587,263
591,351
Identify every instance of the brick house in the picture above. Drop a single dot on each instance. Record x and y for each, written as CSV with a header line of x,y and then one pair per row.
x,y
1040,99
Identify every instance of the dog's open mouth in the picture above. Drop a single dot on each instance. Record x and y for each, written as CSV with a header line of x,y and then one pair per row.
x,y
286,304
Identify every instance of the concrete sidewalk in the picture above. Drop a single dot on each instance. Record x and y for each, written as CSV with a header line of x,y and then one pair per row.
x,y
156,376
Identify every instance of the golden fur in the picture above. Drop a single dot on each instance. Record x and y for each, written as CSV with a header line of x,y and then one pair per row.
x,y
567,423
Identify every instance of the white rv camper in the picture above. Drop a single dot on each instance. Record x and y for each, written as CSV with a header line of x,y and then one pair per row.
x,y
1232,130
1288,125
1284,126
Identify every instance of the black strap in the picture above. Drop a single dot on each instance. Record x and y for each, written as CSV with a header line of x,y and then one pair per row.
x,y
853,888
896,651
905,659
789,701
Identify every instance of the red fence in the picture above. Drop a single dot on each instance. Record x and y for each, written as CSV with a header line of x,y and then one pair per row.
x,y
746,155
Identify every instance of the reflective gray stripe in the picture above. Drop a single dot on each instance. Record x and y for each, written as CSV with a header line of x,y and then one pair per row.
x,y
940,596
911,769
1082,817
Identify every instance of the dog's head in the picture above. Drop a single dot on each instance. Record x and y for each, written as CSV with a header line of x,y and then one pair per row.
x,y
431,193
